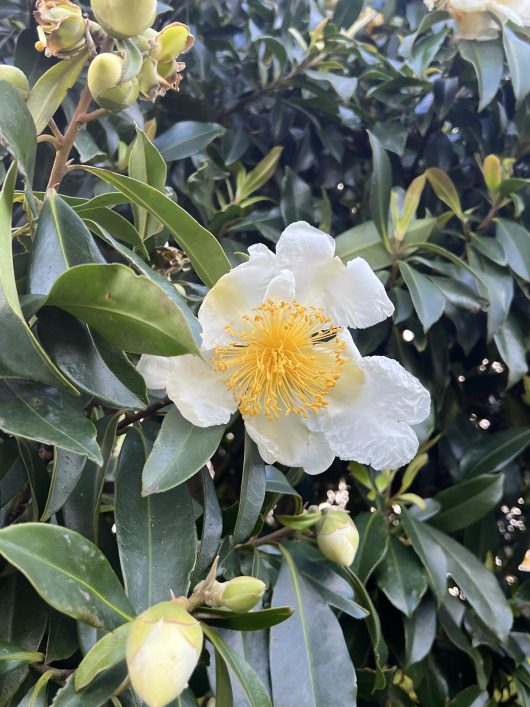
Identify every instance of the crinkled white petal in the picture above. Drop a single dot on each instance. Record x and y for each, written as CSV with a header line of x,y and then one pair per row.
x,y
194,385
282,287
236,294
352,295
290,441
370,421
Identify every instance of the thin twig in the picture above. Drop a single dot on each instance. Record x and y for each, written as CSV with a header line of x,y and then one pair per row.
x,y
142,414
272,537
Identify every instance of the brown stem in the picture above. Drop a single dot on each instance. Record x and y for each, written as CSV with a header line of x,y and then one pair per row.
x,y
272,537
142,414
50,138
488,220
93,115
59,675
55,130
63,153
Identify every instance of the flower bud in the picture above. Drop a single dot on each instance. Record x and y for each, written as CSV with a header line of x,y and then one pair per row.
x,y
62,28
16,78
162,650
173,40
338,538
239,595
124,18
105,83
148,81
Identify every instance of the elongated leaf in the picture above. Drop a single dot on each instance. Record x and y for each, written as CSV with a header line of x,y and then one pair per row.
x,y
187,138
17,130
251,684
363,241
420,630
494,451
381,187
156,535
108,652
33,411
319,670
12,657
510,341
252,492
253,621
147,165
373,543
66,472
68,571
401,578
21,356
487,59
115,224
200,245
495,285
515,241
48,93
260,175
61,242
212,527
179,451
223,688
428,300
128,310
444,189
472,696
96,694
459,638
468,502
518,54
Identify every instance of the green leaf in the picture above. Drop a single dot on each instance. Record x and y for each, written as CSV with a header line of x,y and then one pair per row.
x,y
319,670
420,631
517,51
157,538
69,572
427,298
429,552
373,544
459,638
17,130
21,356
36,412
48,93
515,241
252,493
445,190
107,652
510,341
187,138
488,61
401,578
71,346
495,285
66,472
113,223
480,586
277,483
472,696
363,241
97,694
467,502
12,657
61,242
252,621
494,451
147,165
381,186
260,175
128,310
178,453
201,247
251,684
223,687
212,528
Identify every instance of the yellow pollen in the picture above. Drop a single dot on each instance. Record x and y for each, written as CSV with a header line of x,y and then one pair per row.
x,y
285,359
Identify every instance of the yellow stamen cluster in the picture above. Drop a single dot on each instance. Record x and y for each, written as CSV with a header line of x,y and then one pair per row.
x,y
285,359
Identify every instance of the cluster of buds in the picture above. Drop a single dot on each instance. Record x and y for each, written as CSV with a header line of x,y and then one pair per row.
x,y
62,29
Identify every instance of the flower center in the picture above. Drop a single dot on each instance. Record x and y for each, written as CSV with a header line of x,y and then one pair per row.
x,y
285,359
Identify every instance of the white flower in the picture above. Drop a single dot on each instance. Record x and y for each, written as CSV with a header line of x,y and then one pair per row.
x,y
479,19
276,347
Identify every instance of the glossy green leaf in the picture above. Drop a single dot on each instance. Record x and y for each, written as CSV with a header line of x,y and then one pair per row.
x,y
147,165
401,578
157,538
12,657
66,472
420,631
68,571
260,175
467,502
488,60
363,241
494,451
33,411
277,483
319,670
21,356
200,245
252,621
515,241
108,652
457,636
17,130
186,138
115,224
212,528
381,186
130,311
49,91
178,453
428,300
495,285
472,696
96,694
445,189
510,341
252,494
223,687
518,54
255,692
373,543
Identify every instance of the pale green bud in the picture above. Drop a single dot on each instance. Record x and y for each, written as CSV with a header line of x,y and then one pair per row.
x,y
16,78
173,40
106,85
162,650
124,18
62,28
338,538
241,594
148,81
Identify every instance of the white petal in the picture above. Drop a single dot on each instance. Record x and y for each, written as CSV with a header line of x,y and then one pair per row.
x,y
282,287
196,388
301,244
369,421
235,294
289,441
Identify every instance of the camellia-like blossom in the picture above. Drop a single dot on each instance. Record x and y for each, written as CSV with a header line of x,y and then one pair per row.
x,y
475,19
275,345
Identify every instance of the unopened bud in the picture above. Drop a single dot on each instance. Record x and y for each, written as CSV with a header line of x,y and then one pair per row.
x,y
492,173
338,538
238,595
16,78
61,28
124,18
173,40
105,82
162,651
148,80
